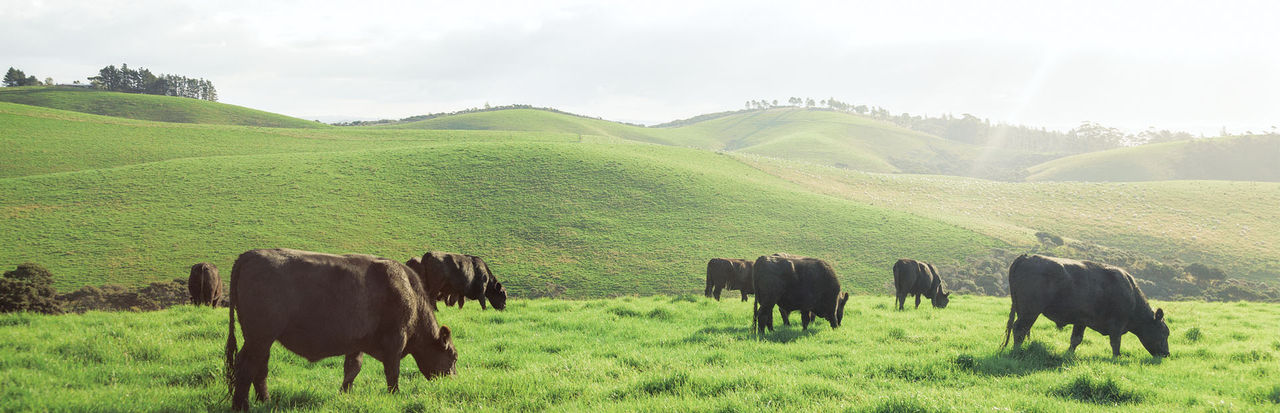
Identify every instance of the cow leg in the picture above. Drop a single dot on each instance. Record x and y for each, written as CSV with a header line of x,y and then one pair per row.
x,y
1077,335
806,317
482,300
393,348
786,317
744,295
350,369
1022,328
1115,342
717,291
707,292
917,301
260,381
251,359
764,318
902,300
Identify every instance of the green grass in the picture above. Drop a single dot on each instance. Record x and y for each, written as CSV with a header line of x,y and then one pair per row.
x,y
590,219
149,107
817,136
1239,158
664,353
40,140
1230,225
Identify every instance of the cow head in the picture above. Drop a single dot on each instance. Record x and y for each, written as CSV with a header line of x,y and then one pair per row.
x,y
1154,334
844,298
435,354
496,294
941,299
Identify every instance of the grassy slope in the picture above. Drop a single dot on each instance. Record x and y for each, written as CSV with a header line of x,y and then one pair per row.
x,y
149,107
1231,225
664,354
1243,158
823,137
595,219
41,140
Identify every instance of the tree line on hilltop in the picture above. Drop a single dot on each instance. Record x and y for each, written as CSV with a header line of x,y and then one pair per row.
x,y
127,80
1088,137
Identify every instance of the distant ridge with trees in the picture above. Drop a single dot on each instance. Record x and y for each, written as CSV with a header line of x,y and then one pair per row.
x,y
124,79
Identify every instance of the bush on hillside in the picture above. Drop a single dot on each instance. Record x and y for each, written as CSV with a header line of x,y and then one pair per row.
x,y
155,296
28,288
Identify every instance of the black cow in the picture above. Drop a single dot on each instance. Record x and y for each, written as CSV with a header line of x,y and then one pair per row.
x,y
728,273
1084,294
793,283
911,277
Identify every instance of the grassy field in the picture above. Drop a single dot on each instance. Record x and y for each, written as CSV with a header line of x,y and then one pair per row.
x,y
578,219
149,107
1230,225
665,353
1238,158
817,136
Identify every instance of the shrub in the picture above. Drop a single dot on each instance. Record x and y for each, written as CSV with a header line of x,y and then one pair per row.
x,y
1194,334
29,288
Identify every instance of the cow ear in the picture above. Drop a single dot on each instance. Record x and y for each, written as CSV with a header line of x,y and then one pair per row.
x,y
1159,314
445,334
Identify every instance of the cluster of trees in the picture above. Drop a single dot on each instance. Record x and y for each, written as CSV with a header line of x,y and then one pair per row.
x,y
124,79
15,77
30,288
1087,137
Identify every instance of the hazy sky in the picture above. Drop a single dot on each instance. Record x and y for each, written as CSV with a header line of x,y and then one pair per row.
x,y
1191,66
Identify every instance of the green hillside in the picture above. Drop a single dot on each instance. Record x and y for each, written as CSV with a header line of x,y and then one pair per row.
x,y
1240,158
148,107
583,219
666,354
819,136
41,140
1230,225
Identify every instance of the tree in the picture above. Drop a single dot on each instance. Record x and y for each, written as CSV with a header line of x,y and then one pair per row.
x,y
808,103
15,77
29,288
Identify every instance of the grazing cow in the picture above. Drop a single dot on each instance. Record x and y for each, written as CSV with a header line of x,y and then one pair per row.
x,y
911,277
205,285
807,285
1084,294
453,278
321,305
730,273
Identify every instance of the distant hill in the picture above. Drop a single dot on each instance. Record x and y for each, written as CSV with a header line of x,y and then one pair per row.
x,y
819,136
1240,158
149,107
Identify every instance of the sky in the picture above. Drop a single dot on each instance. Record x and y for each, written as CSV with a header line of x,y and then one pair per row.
x,y
1193,66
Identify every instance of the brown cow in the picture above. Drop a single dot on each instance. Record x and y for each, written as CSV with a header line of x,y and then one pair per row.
x,y
729,273
1085,294
911,277
205,285
453,278
322,305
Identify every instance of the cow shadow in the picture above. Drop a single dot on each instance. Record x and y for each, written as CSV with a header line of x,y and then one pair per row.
x,y
786,334
1031,358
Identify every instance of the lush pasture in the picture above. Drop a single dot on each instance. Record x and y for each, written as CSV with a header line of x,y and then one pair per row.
x,y
573,219
1242,158
1231,225
667,354
822,137
149,107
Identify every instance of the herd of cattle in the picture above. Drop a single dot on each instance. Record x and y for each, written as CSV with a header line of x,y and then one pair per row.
x,y
323,305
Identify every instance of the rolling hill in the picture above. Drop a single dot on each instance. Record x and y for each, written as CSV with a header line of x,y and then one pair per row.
x,y
1238,158
148,107
557,216
818,136
1226,224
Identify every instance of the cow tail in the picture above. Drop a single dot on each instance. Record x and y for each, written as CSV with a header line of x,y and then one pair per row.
x,y
755,303
1013,303
229,371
